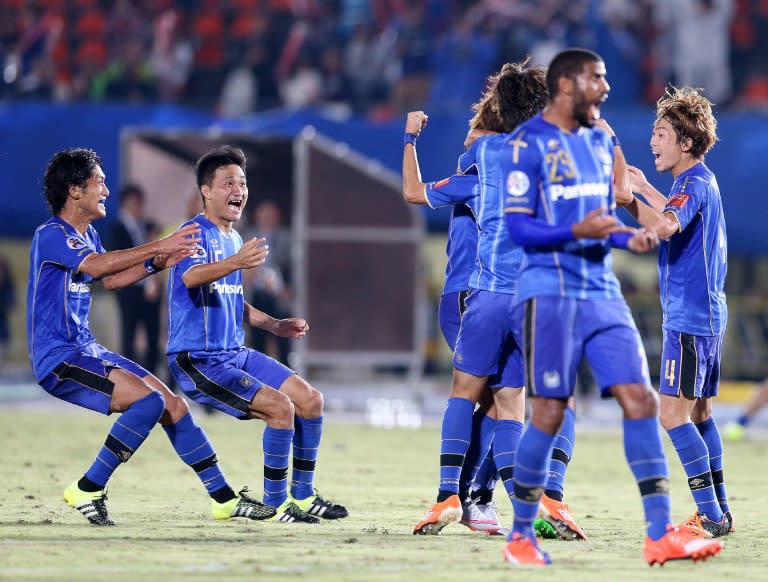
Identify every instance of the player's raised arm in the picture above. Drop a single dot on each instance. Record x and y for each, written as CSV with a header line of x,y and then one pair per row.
x,y
253,253
413,187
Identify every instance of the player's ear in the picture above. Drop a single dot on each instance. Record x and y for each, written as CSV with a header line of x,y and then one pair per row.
x,y
686,144
565,85
75,191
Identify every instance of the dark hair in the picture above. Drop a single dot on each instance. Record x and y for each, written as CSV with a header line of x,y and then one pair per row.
x,y
690,115
568,63
211,161
72,167
513,95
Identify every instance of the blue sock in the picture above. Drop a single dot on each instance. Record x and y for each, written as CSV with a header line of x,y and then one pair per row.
x,y
306,444
561,456
505,444
277,450
694,456
645,455
455,436
531,467
127,433
710,434
476,465
193,447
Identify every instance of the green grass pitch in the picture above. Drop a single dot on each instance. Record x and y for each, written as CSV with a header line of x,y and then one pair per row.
x,y
387,478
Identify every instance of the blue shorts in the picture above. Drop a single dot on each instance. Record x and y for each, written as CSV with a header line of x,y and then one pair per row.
x,y
488,342
226,380
690,365
558,332
81,378
449,312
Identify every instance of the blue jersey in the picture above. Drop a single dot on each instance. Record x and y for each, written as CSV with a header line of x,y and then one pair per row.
x,y
693,262
209,317
498,257
461,249
58,296
559,177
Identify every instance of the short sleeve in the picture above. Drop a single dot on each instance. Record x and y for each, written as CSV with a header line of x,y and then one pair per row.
x,y
64,248
686,201
452,190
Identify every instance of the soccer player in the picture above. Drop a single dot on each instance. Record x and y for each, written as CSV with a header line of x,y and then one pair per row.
x,y
206,352
692,269
66,258
736,431
556,174
486,344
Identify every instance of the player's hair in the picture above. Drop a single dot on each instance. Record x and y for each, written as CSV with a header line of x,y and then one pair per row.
x,y
71,167
513,95
568,63
690,115
211,161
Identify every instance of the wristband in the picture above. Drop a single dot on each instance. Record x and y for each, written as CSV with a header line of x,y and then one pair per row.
x,y
410,138
615,141
149,266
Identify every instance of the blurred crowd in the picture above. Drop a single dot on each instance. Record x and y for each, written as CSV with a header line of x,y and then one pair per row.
x,y
375,57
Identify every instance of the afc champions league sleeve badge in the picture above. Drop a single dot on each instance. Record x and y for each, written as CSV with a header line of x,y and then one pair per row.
x,y
517,183
75,243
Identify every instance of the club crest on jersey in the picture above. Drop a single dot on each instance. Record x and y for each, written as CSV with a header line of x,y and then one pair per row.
x,y
553,144
199,252
552,379
678,200
517,183
75,243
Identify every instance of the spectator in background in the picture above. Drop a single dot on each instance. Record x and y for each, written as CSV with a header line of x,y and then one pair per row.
x,y
269,286
7,302
696,34
139,304
367,60
172,55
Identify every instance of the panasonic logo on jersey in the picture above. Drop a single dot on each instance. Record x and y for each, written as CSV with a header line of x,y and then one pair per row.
x,y
558,191
79,288
226,288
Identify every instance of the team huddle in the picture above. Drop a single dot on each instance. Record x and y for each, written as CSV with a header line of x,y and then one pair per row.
x,y
529,294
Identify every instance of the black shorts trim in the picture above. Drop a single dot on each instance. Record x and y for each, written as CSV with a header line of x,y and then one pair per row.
x,y
689,363
210,388
85,377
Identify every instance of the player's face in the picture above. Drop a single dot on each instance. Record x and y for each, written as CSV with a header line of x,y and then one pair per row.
x,y
225,198
93,197
666,150
590,91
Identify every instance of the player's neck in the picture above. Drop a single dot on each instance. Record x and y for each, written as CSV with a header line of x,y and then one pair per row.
x,y
75,218
224,226
685,164
557,115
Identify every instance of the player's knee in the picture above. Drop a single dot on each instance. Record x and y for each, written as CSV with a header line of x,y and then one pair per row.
x,y
176,407
643,402
279,410
314,404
